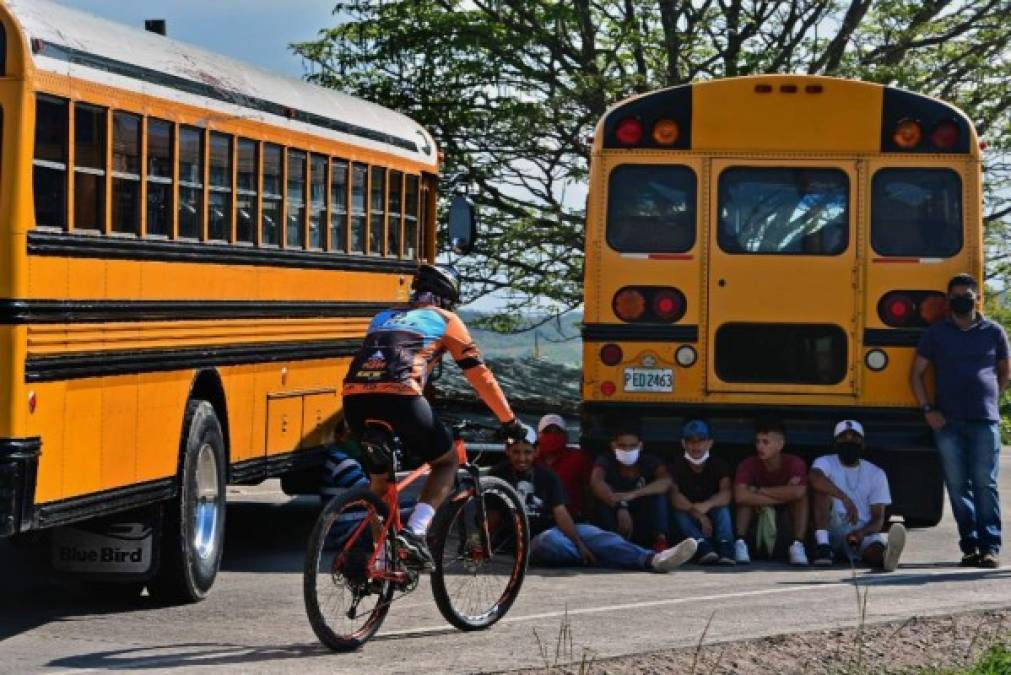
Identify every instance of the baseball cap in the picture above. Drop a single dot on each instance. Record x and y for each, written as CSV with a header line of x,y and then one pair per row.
x,y
849,425
548,420
696,429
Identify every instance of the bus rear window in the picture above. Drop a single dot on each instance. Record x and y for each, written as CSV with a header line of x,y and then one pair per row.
x,y
651,208
916,212
798,211
780,353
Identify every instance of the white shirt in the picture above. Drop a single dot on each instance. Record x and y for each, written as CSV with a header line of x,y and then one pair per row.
x,y
865,484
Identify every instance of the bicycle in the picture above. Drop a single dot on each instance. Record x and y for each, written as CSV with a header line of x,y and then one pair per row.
x,y
354,568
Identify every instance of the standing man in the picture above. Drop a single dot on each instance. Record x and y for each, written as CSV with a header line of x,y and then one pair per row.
x,y
970,358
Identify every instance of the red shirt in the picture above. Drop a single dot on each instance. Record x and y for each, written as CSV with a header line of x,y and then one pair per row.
x,y
752,471
573,467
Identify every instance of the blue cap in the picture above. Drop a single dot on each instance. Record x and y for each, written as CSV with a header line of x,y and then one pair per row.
x,y
696,429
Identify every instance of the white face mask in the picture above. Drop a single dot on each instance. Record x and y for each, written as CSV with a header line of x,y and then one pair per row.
x,y
701,460
627,457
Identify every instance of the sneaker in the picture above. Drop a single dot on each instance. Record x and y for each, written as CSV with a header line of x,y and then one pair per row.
x,y
823,555
989,561
416,548
970,560
674,557
741,556
893,550
708,558
798,556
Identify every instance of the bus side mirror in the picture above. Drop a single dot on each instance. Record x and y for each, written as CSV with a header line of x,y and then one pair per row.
x,y
462,225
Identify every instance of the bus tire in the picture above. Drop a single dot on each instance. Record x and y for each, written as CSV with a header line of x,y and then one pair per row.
x,y
194,525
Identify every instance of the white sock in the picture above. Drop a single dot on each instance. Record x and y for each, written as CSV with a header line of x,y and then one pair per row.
x,y
421,518
821,536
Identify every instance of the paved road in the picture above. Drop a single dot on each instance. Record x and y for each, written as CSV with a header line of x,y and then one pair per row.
x,y
254,619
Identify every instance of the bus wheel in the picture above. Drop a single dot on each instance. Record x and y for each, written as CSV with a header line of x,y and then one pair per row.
x,y
194,525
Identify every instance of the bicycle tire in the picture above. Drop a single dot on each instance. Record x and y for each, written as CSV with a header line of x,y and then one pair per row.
x,y
452,540
355,503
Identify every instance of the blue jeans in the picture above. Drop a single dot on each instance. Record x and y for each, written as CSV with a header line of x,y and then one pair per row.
x,y
552,548
649,518
723,531
970,453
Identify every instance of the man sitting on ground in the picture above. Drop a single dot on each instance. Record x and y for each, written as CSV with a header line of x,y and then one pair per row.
x,y
631,489
770,488
557,540
849,496
568,462
701,495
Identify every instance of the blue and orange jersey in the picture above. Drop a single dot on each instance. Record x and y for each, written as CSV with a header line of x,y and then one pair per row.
x,y
402,346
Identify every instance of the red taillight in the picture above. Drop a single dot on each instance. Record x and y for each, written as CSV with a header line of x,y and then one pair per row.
x,y
907,134
897,309
629,131
910,309
607,388
666,305
945,135
611,354
629,304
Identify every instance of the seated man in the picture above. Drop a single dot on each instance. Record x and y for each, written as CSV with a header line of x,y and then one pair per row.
x,y
557,540
771,487
568,462
701,495
631,489
849,497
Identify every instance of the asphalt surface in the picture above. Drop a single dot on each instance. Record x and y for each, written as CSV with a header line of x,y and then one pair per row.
x,y
254,620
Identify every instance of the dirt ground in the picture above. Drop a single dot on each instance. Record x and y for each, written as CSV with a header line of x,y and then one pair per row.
x,y
932,644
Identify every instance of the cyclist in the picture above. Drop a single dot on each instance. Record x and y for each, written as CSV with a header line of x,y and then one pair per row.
x,y
386,380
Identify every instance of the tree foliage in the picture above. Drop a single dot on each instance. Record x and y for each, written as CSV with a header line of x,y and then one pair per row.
x,y
511,89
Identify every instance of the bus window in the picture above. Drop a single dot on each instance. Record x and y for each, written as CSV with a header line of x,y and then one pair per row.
x,y
245,192
159,178
651,208
395,204
338,205
317,197
781,353
89,167
377,211
783,211
271,195
296,199
916,212
49,171
125,173
191,182
219,223
411,217
359,181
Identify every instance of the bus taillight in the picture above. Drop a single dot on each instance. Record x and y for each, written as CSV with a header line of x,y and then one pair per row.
x,y
933,308
944,135
908,134
611,354
666,304
908,309
657,304
629,131
629,304
665,132
896,309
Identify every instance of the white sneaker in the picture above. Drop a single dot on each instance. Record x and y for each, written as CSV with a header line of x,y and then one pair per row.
x,y
675,556
741,556
798,556
893,550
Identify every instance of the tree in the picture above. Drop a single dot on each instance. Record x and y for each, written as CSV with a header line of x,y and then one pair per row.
x,y
512,88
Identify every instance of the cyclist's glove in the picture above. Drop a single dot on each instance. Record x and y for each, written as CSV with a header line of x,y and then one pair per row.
x,y
514,431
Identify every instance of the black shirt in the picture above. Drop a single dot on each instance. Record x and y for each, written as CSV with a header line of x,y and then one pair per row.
x,y
647,465
541,491
698,487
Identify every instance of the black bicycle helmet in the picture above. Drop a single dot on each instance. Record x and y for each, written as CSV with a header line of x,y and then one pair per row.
x,y
441,280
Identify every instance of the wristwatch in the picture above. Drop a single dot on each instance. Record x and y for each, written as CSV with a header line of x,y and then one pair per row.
x,y
622,504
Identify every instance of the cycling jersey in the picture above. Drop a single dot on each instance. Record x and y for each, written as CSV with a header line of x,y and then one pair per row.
x,y
402,346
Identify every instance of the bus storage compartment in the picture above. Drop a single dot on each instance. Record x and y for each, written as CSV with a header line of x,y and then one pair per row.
x,y
19,462
284,422
319,411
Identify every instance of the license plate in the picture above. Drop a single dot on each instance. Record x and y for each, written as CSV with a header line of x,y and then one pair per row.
x,y
649,379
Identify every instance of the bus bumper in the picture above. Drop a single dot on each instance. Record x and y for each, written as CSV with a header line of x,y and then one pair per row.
x,y
19,463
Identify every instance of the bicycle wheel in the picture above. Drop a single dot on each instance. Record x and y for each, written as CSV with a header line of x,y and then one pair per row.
x,y
472,590
344,606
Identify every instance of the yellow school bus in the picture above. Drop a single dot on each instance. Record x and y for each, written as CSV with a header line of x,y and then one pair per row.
x,y
776,245
190,251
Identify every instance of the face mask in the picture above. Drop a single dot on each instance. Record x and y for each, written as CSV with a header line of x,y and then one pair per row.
x,y
849,452
551,444
961,304
697,462
627,457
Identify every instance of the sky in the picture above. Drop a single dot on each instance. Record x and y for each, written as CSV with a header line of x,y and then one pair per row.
x,y
255,31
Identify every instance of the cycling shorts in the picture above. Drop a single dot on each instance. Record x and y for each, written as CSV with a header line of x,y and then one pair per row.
x,y
422,434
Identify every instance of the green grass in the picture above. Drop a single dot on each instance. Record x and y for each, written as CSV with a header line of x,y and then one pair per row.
x,y
994,661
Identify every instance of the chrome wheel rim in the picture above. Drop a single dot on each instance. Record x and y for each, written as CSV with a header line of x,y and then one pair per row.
x,y
208,503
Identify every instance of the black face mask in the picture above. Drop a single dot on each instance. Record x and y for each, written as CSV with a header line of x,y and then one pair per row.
x,y
962,304
849,451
